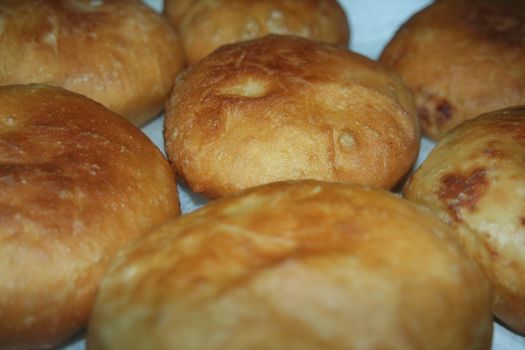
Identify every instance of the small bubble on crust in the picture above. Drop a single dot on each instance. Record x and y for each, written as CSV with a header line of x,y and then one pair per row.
x,y
63,194
347,140
251,29
275,22
50,39
251,88
8,122
276,14
90,5
94,169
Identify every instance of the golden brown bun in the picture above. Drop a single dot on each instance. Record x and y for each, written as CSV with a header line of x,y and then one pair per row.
x,y
205,25
76,182
282,107
298,266
117,52
461,58
474,179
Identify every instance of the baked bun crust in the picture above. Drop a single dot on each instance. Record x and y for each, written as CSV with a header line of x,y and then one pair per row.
x,y
282,107
206,25
117,52
76,182
298,265
474,179
461,58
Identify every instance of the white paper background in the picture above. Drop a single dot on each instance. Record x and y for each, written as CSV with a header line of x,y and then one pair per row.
x,y
373,23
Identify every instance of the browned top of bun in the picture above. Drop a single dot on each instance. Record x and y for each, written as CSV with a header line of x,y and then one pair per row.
x,y
475,179
298,265
282,107
117,52
76,182
205,25
461,58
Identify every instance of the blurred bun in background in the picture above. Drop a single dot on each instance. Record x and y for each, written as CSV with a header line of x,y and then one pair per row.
x,y
205,25
118,52
461,58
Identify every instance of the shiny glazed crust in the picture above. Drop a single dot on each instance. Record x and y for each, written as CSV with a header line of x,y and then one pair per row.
x,y
117,52
76,182
474,179
280,108
205,25
297,265
461,58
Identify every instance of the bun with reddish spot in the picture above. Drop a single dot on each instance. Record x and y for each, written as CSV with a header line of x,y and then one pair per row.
x,y
461,58
474,180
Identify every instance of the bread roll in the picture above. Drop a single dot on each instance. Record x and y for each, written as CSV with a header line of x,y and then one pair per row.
x,y
297,266
461,58
282,107
475,180
76,182
117,52
205,25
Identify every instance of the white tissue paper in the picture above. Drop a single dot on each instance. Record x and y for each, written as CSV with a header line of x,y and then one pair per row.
x,y
372,23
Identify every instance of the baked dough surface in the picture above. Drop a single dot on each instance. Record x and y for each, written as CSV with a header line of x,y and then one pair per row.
x,y
76,182
296,265
205,25
117,52
475,180
461,58
282,107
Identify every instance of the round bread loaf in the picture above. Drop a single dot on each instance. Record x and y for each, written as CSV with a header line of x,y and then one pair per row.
x,y
475,180
76,182
282,107
461,58
117,52
301,266
205,25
